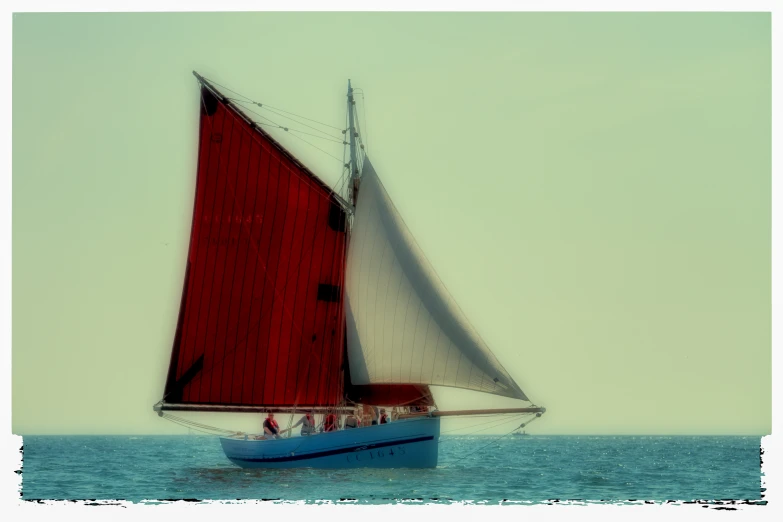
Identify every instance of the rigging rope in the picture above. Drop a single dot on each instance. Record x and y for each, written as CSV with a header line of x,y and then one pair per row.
x,y
328,136
315,147
269,106
346,168
495,425
274,123
481,423
481,448
299,122
194,424
205,428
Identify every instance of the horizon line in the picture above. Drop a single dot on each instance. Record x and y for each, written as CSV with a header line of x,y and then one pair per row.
x,y
450,435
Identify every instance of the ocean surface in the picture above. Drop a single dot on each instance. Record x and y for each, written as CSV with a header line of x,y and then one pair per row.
x,y
478,468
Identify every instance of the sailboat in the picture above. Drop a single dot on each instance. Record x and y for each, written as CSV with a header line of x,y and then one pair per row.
x,y
299,299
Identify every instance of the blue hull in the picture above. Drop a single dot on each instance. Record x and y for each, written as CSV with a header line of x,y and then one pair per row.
x,y
409,443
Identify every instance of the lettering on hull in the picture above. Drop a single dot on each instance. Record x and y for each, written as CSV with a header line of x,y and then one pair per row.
x,y
375,454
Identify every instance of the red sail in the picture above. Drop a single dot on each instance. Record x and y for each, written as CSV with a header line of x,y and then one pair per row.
x,y
261,320
386,394
390,394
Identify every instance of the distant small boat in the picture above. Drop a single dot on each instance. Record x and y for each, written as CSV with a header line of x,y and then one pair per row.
x,y
522,433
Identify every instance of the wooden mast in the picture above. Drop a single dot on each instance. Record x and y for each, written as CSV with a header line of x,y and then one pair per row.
x,y
354,166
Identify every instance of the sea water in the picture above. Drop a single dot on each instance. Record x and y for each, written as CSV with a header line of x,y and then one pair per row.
x,y
478,468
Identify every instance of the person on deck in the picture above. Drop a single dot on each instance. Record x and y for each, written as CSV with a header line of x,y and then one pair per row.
x,y
308,424
330,422
352,421
375,415
384,417
271,429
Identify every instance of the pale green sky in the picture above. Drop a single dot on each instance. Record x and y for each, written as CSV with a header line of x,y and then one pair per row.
x,y
594,190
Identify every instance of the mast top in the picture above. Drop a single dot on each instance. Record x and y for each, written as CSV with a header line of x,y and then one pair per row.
x,y
354,166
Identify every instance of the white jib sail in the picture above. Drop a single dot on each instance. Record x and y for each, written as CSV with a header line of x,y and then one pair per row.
x,y
403,325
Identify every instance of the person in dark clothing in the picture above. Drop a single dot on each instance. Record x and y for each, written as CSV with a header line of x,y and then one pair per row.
x,y
271,428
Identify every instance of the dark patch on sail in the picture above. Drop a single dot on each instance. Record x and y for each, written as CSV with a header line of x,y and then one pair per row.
x,y
209,102
336,219
175,395
329,293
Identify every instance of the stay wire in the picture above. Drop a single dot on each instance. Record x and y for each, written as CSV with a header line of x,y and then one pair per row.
x,y
195,425
481,448
340,181
315,136
479,424
294,135
189,427
494,425
275,108
297,121
326,137
316,147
